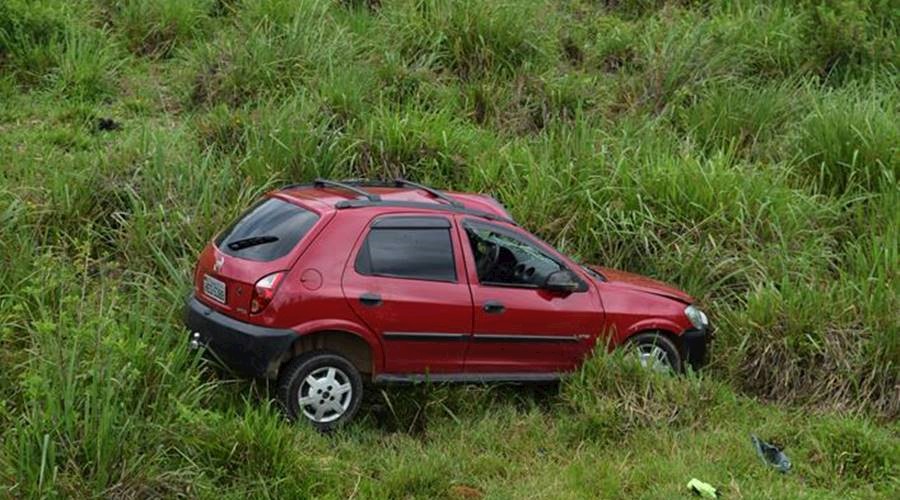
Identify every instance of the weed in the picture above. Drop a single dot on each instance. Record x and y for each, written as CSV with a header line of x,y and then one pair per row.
x,y
745,151
27,32
847,143
275,47
155,28
470,38
740,119
850,36
854,450
613,395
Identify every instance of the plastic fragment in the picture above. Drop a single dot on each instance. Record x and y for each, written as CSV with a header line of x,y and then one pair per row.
x,y
771,455
702,489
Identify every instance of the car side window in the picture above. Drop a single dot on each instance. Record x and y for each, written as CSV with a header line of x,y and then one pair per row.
x,y
408,247
502,259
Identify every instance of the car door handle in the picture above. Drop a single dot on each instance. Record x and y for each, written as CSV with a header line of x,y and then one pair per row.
x,y
370,299
493,307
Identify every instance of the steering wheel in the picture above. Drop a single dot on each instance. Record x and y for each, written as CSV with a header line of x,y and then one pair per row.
x,y
488,259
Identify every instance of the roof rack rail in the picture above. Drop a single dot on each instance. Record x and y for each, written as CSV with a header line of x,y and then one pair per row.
x,y
459,209
349,187
373,200
401,182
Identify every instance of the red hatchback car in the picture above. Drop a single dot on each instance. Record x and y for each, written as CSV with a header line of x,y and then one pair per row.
x,y
326,285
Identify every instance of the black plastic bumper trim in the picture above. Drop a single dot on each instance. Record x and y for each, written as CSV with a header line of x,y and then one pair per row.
x,y
249,350
696,345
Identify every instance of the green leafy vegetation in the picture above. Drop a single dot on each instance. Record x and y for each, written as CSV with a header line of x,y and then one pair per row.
x,y
744,151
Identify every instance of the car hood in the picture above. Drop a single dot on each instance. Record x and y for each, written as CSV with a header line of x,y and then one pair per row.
x,y
644,284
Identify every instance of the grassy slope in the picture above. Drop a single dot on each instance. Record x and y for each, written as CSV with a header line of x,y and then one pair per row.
x,y
746,152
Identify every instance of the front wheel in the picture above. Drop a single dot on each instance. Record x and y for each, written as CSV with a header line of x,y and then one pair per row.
x,y
656,352
320,387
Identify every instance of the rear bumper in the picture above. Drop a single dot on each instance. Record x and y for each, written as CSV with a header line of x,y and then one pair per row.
x,y
696,346
249,350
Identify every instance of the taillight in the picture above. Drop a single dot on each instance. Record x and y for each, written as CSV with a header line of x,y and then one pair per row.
x,y
264,291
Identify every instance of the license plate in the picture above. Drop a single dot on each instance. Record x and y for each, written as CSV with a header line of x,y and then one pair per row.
x,y
214,288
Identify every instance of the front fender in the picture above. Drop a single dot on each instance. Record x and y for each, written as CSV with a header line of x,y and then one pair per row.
x,y
644,325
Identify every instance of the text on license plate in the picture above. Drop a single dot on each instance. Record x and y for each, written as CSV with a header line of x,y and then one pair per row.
x,y
214,288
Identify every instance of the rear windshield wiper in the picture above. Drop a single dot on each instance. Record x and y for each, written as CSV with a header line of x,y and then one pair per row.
x,y
251,242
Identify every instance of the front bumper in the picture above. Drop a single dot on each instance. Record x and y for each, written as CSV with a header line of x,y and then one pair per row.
x,y
695,342
249,350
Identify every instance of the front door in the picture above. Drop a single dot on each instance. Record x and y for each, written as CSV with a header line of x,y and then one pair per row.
x,y
405,280
520,327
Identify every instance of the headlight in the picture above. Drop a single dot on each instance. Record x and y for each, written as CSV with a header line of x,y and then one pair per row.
x,y
696,317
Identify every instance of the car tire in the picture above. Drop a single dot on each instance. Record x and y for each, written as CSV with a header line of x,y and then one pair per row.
x,y
656,351
321,388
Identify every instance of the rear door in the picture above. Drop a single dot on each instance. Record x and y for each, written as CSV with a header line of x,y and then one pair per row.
x,y
520,327
405,279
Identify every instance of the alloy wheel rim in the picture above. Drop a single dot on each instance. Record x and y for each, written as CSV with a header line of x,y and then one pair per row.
x,y
325,394
654,357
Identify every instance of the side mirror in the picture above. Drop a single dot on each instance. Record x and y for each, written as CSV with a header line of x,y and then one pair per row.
x,y
562,281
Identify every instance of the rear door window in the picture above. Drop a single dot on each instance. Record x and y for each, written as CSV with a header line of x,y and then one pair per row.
x,y
268,231
408,247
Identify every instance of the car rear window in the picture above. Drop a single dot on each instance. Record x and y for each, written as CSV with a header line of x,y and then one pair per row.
x,y
269,230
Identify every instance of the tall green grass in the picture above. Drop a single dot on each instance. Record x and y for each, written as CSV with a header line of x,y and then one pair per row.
x,y
744,151
156,28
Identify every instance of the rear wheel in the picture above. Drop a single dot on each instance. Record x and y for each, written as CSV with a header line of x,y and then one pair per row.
x,y
656,352
320,387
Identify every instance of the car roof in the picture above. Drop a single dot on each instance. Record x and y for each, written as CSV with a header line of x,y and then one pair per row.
x,y
325,198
